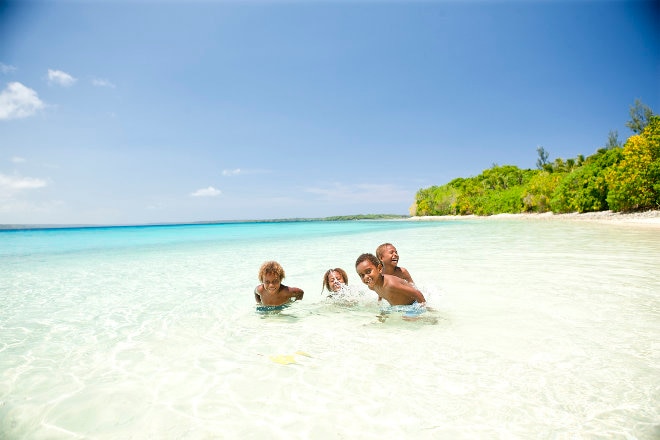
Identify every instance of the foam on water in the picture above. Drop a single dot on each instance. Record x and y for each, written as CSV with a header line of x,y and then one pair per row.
x,y
537,330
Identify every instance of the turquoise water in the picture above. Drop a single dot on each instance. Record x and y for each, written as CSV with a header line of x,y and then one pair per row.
x,y
538,329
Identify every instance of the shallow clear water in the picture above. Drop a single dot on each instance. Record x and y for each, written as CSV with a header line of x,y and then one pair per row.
x,y
539,329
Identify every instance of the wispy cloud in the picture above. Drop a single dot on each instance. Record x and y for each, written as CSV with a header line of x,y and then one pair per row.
x,y
6,68
18,101
17,159
206,192
9,185
100,82
361,193
18,182
60,78
245,171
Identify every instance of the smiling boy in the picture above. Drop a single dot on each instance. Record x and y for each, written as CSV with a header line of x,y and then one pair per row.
x,y
389,257
395,290
271,291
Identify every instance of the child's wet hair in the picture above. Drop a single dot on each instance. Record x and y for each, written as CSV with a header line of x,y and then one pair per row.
x,y
271,267
381,248
368,257
342,272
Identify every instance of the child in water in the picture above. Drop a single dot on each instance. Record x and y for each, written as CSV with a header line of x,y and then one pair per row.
x,y
395,290
335,280
389,258
271,291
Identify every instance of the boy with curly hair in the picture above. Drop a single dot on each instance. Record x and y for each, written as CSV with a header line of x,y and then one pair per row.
x,y
271,291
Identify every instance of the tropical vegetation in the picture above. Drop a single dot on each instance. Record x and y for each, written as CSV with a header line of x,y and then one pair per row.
x,y
617,177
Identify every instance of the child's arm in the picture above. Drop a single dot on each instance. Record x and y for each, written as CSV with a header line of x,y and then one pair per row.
x,y
296,293
410,290
406,275
257,297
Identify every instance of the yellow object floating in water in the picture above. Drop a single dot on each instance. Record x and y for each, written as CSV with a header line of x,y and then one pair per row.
x,y
286,359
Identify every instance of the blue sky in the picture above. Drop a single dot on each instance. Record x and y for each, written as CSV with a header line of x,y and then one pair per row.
x,y
115,112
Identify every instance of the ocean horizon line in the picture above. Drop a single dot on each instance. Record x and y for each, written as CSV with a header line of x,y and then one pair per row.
x,y
648,217
45,226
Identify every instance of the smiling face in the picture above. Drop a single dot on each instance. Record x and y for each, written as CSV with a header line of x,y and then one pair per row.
x,y
271,283
368,272
335,280
389,256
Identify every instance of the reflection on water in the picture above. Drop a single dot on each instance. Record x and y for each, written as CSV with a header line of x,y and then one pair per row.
x,y
535,330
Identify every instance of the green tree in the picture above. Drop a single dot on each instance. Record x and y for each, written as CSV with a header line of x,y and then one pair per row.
x,y
542,161
470,191
497,189
538,191
614,178
640,115
435,200
585,188
635,181
502,177
422,205
613,140
444,200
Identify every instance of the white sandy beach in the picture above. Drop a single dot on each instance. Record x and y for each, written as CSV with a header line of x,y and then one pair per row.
x,y
645,218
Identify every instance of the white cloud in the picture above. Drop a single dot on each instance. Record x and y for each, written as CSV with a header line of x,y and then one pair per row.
x,y
17,159
12,184
245,171
6,68
99,82
206,192
60,78
18,101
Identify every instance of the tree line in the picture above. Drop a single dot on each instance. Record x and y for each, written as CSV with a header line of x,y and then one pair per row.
x,y
617,177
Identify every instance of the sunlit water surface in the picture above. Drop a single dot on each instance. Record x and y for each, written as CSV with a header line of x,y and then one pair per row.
x,y
543,330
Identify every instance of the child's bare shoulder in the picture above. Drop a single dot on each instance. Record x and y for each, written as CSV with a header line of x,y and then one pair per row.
x,y
402,272
392,280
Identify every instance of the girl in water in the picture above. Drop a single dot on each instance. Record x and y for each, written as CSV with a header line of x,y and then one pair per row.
x,y
335,280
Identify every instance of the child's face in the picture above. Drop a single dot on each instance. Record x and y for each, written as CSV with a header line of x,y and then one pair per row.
x,y
390,257
271,283
368,273
335,280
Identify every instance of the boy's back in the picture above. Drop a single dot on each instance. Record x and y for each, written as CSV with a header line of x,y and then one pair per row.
x,y
398,291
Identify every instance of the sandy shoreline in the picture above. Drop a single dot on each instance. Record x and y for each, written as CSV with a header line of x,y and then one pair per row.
x,y
645,218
